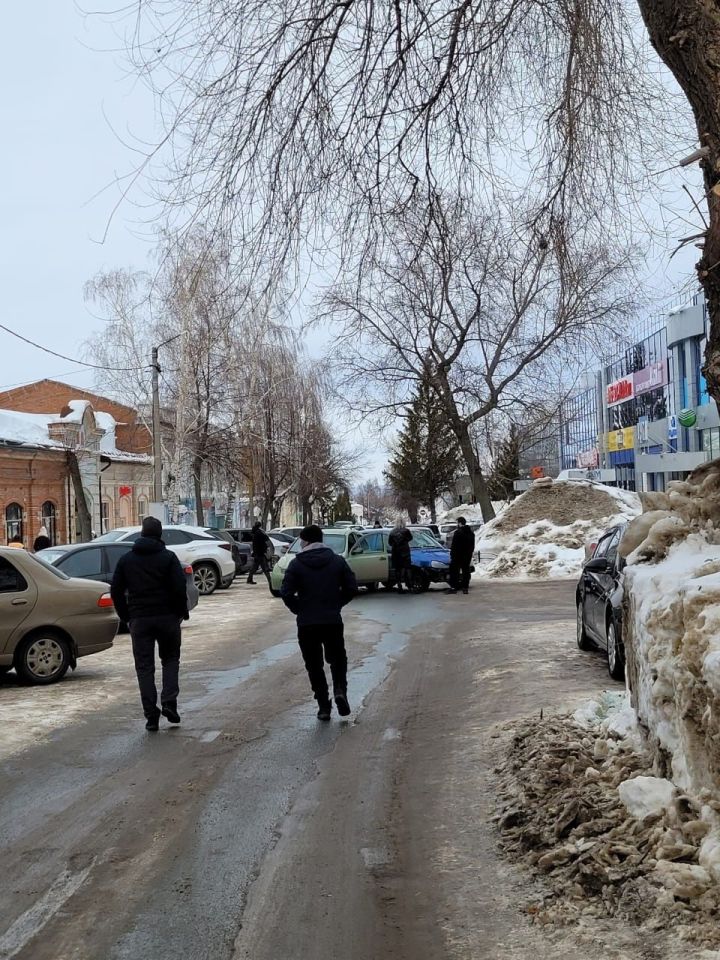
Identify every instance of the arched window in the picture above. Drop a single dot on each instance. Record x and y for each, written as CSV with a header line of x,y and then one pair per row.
x,y
142,509
107,517
48,513
13,522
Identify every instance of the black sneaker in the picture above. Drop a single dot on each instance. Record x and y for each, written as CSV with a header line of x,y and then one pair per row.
x,y
170,713
341,702
324,711
465,591
451,590
153,724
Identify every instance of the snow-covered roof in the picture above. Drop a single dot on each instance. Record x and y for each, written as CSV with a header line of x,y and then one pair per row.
x,y
33,430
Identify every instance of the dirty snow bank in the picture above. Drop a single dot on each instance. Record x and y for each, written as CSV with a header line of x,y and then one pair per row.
x,y
544,532
580,805
671,627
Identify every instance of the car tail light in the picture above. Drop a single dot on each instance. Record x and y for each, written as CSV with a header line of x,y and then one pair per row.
x,y
592,548
105,600
226,546
188,569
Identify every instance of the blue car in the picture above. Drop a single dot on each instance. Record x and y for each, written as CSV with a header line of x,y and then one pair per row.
x,y
430,560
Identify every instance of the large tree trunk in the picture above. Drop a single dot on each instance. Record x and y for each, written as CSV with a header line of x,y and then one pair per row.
x,y
197,484
83,514
686,35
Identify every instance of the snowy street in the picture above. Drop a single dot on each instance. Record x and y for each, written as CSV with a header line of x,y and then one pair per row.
x,y
371,838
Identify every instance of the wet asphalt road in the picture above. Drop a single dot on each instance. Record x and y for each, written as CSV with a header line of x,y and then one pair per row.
x,y
252,831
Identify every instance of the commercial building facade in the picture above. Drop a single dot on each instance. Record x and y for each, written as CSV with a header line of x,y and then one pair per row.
x,y
638,404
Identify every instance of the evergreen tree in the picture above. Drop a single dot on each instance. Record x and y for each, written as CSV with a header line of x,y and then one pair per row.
x,y
426,457
506,467
342,509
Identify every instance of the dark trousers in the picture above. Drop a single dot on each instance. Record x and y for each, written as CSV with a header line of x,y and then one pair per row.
x,y
259,563
145,632
324,640
460,573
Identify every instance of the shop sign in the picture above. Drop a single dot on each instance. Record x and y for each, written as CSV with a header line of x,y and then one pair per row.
x,y
620,391
656,375
588,458
672,427
621,439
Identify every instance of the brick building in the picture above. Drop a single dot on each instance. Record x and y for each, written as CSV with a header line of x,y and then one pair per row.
x,y
47,420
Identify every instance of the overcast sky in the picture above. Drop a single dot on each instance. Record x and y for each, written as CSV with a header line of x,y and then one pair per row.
x,y
64,92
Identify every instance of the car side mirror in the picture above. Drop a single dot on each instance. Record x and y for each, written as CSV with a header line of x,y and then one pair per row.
x,y
597,565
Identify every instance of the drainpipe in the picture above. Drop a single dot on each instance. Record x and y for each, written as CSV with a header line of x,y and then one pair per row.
x,y
101,471
30,488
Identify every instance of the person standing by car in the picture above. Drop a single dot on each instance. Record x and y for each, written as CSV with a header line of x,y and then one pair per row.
x,y
150,594
400,558
462,548
260,544
317,585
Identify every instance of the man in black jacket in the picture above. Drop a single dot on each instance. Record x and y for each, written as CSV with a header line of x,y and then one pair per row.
x,y
150,594
317,585
260,543
462,548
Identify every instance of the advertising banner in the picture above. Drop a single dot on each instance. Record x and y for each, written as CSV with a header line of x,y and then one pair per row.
x,y
588,458
620,439
656,375
620,391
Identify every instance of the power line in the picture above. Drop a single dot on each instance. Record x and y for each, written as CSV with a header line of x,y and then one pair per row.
x,y
82,363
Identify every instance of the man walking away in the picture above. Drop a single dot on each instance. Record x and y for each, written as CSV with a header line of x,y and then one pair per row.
x,y
150,595
462,548
400,557
317,585
260,543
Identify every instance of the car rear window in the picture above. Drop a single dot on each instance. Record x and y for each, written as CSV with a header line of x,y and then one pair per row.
x,y
48,566
112,536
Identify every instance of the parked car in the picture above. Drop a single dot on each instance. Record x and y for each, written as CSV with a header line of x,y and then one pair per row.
x,y
48,621
290,531
368,555
210,557
97,561
241,552
598,600
282,537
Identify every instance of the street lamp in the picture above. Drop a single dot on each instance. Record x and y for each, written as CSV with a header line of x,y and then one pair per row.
x,y
157,445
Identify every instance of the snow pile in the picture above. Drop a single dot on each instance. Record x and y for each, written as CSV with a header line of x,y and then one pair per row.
x,y
545,532
581,805
671,627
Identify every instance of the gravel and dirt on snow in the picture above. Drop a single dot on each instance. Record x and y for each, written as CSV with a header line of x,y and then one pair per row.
x,y
543,534
606,839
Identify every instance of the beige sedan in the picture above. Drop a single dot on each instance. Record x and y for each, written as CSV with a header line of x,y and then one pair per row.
x,y
47,619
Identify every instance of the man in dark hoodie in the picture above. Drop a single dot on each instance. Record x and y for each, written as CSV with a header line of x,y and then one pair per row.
x,y
317,585
150,594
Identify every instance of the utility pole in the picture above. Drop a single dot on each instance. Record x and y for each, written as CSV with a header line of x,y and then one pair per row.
x,y
157,444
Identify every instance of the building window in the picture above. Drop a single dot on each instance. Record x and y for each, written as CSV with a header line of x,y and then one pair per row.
x,y
142,509
48,515
14,522
105,520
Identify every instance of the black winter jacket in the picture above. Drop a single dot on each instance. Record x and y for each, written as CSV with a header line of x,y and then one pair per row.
x,y
399,542
462,545
260,542
149,582
317,585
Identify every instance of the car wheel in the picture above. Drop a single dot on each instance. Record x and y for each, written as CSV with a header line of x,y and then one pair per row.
x,y
206,579
583,641
42,658
615,659
418,582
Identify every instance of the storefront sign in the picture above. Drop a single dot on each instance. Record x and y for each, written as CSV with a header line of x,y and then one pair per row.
x,y
672,427
588,458
620,391
649,378
620,439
